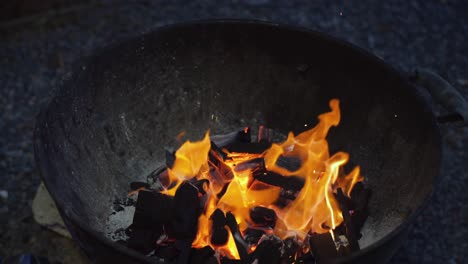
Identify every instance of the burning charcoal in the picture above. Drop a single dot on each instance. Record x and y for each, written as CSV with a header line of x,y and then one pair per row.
x,y
350,231
288,183
219,171
289,163
202,255
286,197
186,211
139,185
262,216
215,150
252,235
268,251
323,247
152,209
290,250
265,135
253,164
142,240
170,158
231,138
241,245
219,233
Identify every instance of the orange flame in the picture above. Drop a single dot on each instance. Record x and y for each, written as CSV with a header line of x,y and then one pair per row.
x,y
315,208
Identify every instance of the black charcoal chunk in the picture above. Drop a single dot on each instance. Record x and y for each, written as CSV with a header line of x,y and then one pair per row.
x,y
350,230
219,233
139,185
241,245
289,163
292,183
184,246
223,191
226,260
242,135
142,240
268,251
202,255
262,216
323,247
291,250
152,210
202,185
217,151
167,252
253,164
170,158
253,235
360,196
186,211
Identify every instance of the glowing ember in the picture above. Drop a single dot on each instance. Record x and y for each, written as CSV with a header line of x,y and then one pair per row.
x,y
314,210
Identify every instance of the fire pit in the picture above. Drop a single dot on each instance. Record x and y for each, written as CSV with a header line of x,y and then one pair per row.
x,y
110,123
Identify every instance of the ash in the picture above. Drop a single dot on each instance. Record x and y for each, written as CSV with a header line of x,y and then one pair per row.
x,y
120,218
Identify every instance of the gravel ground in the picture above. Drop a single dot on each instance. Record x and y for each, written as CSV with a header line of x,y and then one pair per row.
x,y
36,53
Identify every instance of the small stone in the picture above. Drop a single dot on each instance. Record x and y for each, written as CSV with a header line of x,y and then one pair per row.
x,y
3,195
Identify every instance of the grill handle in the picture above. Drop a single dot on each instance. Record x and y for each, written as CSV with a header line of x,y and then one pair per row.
x,y
443,93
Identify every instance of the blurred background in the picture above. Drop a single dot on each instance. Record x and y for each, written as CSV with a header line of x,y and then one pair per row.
x,y
41,40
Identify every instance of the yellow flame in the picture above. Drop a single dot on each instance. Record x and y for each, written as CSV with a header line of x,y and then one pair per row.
x,y
314,209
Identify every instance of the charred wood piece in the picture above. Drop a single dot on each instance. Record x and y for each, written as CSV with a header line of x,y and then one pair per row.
x,y
350,230
323,247
186,212
241,136
219,233
262,216
241,245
